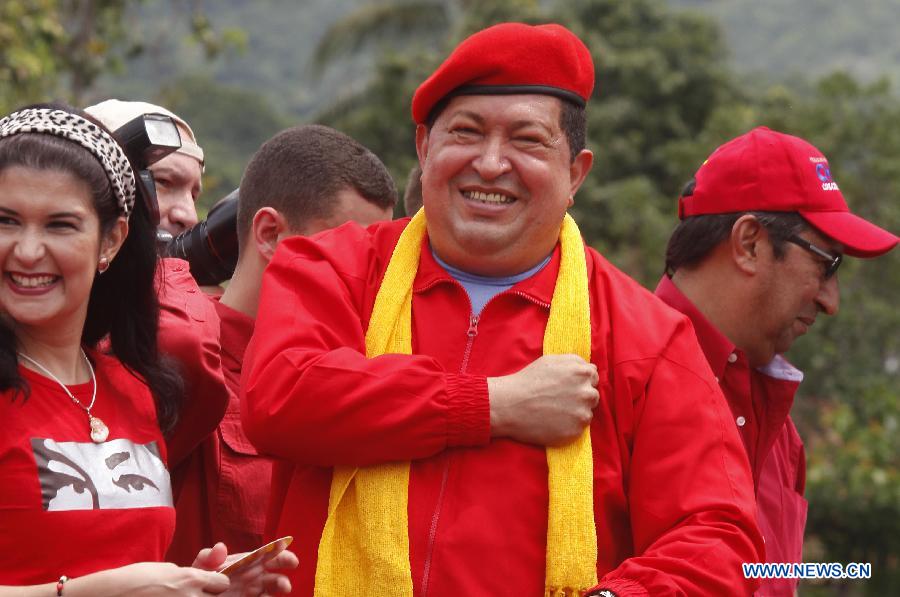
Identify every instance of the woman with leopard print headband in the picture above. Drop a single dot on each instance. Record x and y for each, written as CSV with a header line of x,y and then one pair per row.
x,y
84,489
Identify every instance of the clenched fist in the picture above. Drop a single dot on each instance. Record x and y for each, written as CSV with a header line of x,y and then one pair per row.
x,y
547,403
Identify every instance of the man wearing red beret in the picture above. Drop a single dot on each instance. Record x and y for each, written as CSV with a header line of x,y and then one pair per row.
x,y
752,263
472,402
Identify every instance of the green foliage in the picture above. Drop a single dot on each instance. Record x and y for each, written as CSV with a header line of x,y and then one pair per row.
x,y
266,47
58,48
96,43
48,41
230,124
660,76
380,23
215,42
30,33
474,15
380,118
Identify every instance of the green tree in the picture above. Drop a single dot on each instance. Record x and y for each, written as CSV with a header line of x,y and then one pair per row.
x,y
56,49
412,24
30,34
413,38
400,23
230,124
660,75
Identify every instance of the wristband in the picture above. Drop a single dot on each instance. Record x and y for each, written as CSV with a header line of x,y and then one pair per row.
x,y
59,585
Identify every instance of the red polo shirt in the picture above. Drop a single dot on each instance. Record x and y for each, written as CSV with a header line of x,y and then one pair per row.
x,y
760,400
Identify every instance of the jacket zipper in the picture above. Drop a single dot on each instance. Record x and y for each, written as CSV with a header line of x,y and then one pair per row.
x,y
471,333
432,531
527,297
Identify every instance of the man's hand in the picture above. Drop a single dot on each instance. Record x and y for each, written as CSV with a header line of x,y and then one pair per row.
x,y
548,403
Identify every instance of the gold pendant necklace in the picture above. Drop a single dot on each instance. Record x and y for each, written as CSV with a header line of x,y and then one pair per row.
x,y
99,430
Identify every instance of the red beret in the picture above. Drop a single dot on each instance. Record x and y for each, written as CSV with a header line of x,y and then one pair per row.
x,y
765,170
511,58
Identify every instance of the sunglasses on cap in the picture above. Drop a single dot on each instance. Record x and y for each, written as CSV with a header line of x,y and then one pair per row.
x,y
833,262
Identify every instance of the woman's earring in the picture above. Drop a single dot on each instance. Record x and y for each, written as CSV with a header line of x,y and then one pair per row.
x,y
103,265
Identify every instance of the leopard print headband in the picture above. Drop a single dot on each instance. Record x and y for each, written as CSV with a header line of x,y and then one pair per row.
x,y
74,128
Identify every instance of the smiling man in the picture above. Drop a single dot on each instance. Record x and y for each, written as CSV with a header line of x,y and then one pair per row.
x,y
753,263
472,402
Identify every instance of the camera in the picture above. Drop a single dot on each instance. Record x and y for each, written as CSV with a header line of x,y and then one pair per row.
x,y
147,139
210,247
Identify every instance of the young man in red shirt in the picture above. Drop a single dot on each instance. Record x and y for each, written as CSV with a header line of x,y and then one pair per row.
x,y
303,180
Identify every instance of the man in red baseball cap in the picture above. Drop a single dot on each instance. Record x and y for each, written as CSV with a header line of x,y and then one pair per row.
x,y
472,402
754,261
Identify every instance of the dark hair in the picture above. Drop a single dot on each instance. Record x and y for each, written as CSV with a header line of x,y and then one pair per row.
x,y
299,171
572,121
695,237
122,303
412,194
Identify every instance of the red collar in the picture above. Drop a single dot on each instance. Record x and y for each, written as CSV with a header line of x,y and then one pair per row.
x,y
235,331
771,401
716,346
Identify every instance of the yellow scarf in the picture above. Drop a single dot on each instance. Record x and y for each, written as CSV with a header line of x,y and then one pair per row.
x,y
364,549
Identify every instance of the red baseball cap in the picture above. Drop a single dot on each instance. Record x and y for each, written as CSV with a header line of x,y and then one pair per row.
x,y
765,170
511,58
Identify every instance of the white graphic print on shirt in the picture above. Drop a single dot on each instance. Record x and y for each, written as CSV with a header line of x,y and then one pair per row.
x,y
113,475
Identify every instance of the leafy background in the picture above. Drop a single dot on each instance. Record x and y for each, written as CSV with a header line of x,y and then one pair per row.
x,y
675,79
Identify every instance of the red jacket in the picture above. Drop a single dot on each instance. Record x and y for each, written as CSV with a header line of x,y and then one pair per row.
x,y
760,401
673,494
